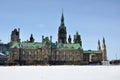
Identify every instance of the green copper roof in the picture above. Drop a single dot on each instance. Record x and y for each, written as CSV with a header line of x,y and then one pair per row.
x,y
92,51
68,46
31,45
36,45
27,45
15,45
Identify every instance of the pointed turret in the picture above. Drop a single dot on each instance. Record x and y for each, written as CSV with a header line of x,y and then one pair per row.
x,y
99,47
104,51
69,39
103,45
31,38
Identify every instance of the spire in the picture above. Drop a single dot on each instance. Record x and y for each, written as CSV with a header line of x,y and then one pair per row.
x,y
62,20
104,51
77,33
103,40
103,45
62,33
99,47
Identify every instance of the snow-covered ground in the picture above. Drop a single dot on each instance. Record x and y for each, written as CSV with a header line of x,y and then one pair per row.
x,y
60,73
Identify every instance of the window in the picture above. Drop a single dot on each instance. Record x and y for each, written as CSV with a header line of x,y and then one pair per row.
x,y
23,52
64,53
70,56
57,55
29,53
35,53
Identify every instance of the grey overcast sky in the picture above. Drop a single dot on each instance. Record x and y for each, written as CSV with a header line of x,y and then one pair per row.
x,y
93,19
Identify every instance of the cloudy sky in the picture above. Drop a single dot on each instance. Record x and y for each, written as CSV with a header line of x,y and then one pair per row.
x,y
93,19
60,73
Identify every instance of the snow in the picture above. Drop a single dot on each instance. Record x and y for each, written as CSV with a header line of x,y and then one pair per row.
x,y
2,54
60,73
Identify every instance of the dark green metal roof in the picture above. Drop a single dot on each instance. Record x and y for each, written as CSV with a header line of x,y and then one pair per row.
x,y
33,45
92,52
27,45
68,46
36,45
15,45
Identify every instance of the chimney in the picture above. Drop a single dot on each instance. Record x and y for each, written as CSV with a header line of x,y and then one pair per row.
x,y
51,39
42,38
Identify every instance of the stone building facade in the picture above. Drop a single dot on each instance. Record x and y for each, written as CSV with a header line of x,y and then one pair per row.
x,y
46,52
4,51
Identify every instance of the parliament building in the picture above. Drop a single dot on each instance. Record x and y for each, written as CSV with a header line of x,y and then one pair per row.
x,y
46,52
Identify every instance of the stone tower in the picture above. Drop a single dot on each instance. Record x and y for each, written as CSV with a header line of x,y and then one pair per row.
x,y
104,52
62,33
77,38
99,47
15,35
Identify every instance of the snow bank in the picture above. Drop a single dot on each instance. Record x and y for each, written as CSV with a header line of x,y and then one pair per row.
x,y
60,73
